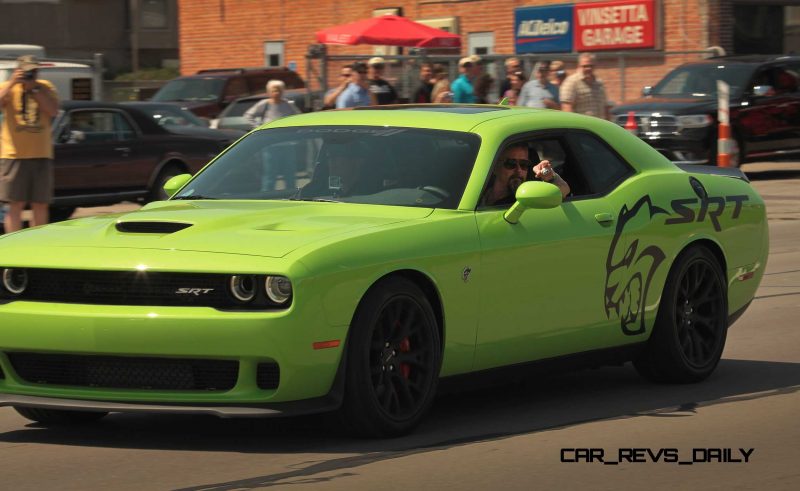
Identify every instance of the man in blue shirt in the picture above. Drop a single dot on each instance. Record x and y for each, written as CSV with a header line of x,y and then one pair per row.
x,y
357,92
462,87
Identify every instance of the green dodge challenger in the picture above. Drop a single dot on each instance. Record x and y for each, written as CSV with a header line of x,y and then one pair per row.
x,y
385,271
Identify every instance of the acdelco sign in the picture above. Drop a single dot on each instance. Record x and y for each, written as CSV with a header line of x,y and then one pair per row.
x,y
623,24
543,29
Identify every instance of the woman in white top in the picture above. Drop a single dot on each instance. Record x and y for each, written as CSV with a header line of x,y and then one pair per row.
x,y
267,110
273,107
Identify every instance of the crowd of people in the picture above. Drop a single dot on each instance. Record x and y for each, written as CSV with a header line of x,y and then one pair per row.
x,y
547,86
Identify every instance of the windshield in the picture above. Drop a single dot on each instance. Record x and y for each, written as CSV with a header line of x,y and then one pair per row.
x,y
171,116
701,80
354,164
191,89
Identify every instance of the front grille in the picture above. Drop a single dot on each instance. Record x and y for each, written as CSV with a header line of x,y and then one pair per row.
x,y
651,124
151,227
268,375
129,288
116,372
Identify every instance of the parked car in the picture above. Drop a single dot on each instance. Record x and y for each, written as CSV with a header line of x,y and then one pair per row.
x,y
383,274
106,153
180,120
678,116
208,92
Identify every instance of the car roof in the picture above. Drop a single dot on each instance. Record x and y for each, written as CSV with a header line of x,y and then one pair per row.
x,y
747,59
457,117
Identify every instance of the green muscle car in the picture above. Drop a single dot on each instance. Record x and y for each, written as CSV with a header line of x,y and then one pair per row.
x,y
351,260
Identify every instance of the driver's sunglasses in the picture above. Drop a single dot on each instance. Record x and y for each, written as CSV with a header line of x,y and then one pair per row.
x,y
523,164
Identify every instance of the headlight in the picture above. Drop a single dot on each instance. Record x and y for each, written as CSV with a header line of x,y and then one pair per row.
x,y
278,288
694,121
243,287
15,280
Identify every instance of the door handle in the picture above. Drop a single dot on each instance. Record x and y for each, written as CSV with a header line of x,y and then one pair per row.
x,y
604,217
123,149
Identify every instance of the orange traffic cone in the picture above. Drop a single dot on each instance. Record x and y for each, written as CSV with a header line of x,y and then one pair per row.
x,y
630,125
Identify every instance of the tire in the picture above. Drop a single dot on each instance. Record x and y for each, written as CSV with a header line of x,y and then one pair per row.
x,y
393,361
56,417
61,213
168,172
692,322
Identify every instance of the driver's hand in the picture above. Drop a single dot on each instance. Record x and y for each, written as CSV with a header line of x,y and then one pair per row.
x,y
543,170
17,77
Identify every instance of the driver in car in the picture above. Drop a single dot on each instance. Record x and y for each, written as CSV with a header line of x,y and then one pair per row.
x,y
512,170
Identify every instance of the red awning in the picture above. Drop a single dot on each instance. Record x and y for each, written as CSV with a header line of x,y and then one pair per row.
x,y
389,30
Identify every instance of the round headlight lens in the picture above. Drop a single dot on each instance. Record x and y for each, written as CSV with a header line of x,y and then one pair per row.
x,y
15,280
243,287
279,289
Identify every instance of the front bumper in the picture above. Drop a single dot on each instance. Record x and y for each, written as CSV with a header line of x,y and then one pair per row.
x,y
250,338
690,146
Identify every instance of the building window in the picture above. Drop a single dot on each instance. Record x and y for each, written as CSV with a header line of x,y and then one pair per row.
x,y
153,14
273,53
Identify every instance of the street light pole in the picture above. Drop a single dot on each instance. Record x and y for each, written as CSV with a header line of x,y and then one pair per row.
x,y
134,13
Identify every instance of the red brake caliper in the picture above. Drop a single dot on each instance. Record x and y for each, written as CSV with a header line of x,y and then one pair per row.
x,y
405,347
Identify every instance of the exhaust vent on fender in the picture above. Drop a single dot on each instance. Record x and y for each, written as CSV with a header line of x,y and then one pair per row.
x,y
151,227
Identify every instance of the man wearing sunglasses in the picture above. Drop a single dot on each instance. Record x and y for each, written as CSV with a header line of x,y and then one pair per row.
x,y
513,169
333,94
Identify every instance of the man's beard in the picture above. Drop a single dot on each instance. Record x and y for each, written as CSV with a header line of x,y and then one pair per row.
x,y
513,183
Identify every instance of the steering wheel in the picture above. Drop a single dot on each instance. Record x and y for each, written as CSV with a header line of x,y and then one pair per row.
x,y
436,191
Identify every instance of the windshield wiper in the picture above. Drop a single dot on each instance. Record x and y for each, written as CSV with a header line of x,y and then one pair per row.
x,y
321,200
193,196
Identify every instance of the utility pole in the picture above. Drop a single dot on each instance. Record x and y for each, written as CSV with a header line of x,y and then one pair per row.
x,y
134,24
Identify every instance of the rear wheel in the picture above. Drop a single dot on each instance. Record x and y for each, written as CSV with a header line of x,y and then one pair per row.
x,y
692,322
61,213
393,360
58,416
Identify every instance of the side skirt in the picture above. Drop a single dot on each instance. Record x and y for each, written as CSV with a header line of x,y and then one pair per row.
x,y
576,361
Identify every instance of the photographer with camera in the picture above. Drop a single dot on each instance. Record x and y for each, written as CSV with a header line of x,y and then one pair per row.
x,y
26,145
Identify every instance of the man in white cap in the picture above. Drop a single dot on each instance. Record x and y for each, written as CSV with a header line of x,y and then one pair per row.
x,y
463,87
383,90
26,147
538,91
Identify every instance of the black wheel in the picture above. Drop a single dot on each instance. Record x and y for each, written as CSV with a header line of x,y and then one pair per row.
x,y
59,416
393,360
61,213
692,322
157,192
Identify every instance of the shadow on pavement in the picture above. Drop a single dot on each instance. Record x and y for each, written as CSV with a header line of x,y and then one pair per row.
x,y
550,402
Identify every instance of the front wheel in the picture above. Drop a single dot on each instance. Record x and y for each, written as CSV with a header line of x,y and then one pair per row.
x,y
692,322
393,360
56,417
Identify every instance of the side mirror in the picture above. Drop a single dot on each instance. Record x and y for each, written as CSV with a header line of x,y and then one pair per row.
x,y
175,183
533,194
647,90
763,90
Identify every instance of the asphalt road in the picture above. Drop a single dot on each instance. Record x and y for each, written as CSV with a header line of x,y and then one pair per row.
x,y
509,437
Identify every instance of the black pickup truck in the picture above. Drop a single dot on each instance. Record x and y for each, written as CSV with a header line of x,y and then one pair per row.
x,y
678,116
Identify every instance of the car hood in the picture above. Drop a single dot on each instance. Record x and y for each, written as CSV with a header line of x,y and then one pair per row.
x,y
667,105
256,228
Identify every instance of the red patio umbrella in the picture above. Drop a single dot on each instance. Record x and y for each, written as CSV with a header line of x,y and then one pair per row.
x,y
389,30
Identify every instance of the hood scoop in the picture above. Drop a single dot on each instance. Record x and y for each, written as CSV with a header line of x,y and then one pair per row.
x,y
151,227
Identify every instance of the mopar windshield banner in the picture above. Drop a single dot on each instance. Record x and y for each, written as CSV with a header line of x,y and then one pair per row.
x,y
543,29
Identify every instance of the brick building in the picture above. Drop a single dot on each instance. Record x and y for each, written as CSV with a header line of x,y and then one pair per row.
x,y
231,33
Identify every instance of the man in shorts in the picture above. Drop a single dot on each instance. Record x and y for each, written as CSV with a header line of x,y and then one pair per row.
x,y
26,146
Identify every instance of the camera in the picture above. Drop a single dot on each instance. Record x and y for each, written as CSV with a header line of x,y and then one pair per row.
x,y
29,75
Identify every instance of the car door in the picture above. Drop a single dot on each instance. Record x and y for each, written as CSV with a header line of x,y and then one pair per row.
x,y
544,278
87,150
769,121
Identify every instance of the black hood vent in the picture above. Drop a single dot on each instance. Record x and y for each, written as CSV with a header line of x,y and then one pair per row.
x,y
151,227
